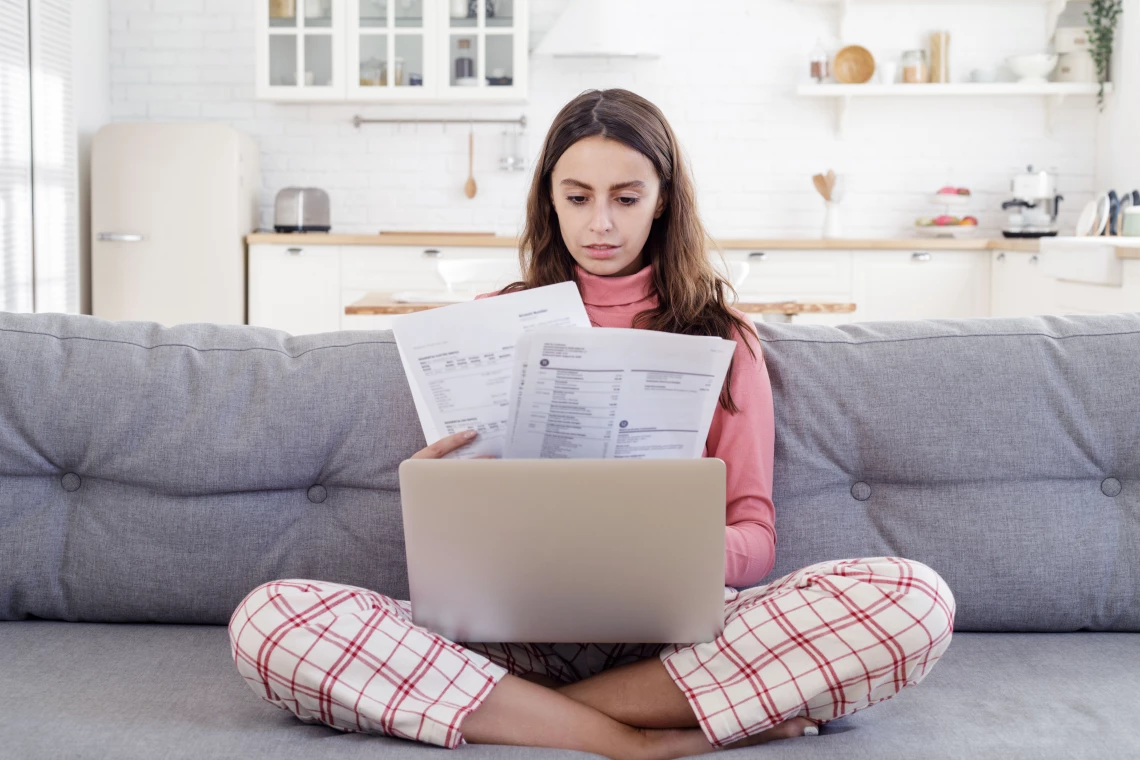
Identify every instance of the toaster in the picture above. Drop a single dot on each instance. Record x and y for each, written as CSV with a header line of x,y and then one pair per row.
x,y
301,209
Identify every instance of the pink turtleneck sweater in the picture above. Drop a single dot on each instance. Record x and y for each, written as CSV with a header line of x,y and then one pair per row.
x,y
744,441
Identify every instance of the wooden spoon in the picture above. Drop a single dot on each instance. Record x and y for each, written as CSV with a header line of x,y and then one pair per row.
x,y
820,183
469,188
830,183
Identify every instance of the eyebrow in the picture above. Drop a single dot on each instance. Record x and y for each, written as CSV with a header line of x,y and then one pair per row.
x,y
619,186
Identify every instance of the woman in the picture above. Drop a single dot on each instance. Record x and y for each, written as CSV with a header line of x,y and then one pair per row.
x,y
613,209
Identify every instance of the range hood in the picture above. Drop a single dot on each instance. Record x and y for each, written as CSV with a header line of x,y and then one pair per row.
x,y
603,29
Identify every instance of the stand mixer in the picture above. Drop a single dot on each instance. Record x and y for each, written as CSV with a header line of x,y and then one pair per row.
x,y
1033,208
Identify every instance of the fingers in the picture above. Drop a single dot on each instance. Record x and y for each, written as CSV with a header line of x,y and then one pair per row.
x,y
445,445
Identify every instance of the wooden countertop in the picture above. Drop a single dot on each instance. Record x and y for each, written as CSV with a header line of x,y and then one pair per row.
x,y
383,303
475,240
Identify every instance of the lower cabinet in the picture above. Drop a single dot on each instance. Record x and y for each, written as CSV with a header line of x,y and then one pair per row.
x,y
295,288
305,288
1018,286
890,285
774,276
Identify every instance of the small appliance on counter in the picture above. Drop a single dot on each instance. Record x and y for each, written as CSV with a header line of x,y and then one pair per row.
x,y
301,209
1033,208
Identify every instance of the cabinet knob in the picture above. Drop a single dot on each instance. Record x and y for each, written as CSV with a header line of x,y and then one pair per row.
x,y
1001,257
293,251
757,256
920,256
1033,259
431,252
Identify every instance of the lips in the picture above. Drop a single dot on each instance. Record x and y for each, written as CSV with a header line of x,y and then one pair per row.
x,y
602,251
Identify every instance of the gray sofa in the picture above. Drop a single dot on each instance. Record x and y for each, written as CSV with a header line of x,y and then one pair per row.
x,y
150,477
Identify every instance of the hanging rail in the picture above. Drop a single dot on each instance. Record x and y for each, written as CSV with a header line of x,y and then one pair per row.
x,y
358,120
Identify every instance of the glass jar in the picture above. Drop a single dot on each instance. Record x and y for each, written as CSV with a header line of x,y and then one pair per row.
x,y
819,62
914,69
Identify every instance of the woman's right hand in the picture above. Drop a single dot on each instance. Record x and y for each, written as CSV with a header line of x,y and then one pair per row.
x,y
446,445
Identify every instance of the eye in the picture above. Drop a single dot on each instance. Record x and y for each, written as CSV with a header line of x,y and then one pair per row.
x,y
577,200
628,200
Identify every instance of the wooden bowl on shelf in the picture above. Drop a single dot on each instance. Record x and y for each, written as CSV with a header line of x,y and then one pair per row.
x,y
853,64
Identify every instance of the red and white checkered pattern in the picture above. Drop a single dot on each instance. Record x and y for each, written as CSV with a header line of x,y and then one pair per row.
x,y
822,642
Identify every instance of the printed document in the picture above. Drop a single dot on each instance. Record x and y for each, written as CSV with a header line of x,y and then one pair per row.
x,y
529,373
614,393
459,359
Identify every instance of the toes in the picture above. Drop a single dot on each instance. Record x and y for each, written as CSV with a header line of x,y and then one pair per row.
x,y
800,726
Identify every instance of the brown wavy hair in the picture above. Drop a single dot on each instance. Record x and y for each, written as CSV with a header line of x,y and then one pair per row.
x,y
692,297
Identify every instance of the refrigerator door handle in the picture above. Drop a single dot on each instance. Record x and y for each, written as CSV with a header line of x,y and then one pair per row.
x,y
120,237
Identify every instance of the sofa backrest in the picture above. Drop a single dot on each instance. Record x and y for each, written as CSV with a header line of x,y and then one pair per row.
x,y
1004,453
159,474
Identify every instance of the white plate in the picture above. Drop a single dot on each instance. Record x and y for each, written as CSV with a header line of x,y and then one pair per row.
x,y
1102,210
946,199
1087,220
949,230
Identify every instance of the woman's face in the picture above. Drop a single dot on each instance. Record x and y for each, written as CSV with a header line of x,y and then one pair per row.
x,y
606,195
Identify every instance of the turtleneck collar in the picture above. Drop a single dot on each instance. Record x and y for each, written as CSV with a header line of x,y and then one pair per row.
x,y
597,290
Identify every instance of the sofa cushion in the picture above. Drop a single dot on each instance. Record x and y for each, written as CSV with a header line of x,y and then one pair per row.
x,y
1004,453
160,474
93,691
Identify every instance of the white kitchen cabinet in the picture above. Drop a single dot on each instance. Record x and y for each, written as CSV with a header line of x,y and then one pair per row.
x,y
1084,298
307,290
891,285
394,268
797,276
1018,286
295,288
398,51
300,48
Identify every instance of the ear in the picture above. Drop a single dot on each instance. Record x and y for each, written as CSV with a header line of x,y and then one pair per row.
x,y
662,202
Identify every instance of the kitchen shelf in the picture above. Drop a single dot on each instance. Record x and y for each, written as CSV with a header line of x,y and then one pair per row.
x,y
1053,8
1054,92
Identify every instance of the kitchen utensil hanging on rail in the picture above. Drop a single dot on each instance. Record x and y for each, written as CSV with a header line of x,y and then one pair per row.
x,y
469,188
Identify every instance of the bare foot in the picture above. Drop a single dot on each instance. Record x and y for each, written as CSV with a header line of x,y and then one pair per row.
x,y
790,728
669,743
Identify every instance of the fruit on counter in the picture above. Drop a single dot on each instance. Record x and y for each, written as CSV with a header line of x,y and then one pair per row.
x,y
969,220
948,190
945,220
924,221
963,191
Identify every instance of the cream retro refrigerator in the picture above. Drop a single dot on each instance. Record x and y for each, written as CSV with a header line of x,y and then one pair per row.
x,y
171,205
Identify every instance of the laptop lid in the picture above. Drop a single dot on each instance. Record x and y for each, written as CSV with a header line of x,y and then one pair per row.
x,y
566,550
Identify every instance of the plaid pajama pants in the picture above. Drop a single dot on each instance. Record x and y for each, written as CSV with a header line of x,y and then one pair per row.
x,y
822,642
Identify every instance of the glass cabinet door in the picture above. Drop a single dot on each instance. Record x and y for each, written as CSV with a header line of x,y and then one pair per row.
x,y
302,54
485,43
390,49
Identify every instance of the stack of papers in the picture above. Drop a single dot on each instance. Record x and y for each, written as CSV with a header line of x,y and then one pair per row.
x,y
529,373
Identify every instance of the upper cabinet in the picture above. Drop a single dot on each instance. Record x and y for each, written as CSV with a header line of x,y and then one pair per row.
x,y
400,51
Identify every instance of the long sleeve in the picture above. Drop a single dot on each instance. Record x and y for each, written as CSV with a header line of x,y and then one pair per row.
x,y
745,441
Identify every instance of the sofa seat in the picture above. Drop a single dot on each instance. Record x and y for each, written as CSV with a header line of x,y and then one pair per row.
x,y
123,691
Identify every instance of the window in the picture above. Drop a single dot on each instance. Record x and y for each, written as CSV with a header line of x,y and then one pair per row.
x,y
39,252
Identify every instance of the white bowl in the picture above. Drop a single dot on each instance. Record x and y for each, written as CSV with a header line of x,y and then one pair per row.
x,y
1032,68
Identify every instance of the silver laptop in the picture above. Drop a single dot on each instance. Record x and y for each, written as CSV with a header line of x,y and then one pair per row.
x,y
566,550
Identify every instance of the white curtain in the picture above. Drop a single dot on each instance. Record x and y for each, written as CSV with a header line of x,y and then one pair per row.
x,y
39,252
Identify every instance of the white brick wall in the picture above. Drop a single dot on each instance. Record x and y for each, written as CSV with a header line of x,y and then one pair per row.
x,y
726,84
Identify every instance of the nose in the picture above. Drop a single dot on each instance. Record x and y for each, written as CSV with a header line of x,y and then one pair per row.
x,y
601,221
